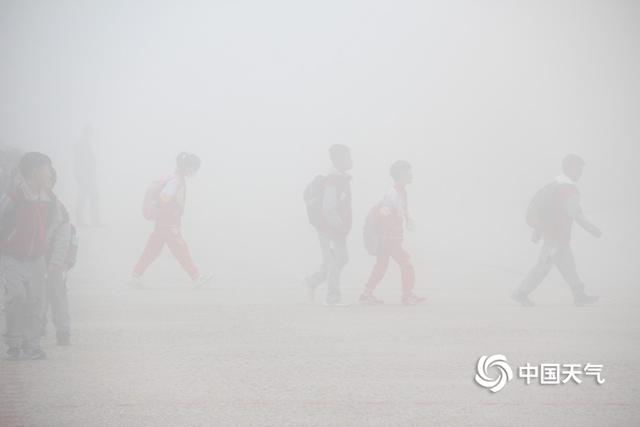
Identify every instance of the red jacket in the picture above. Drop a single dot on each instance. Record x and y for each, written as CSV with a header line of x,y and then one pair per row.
x,y
25,226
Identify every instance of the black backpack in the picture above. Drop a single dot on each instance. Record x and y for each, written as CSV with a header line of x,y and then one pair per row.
x,y
313,197
541,207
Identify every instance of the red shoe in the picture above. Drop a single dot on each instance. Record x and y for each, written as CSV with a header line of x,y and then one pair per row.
x,y
412,299
369,299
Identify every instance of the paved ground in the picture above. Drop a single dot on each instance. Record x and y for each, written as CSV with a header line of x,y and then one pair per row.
x,y
173,356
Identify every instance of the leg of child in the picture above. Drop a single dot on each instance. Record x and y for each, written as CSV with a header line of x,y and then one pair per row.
x,y
402,257
151,251
34,304
57,287
16,296
339,259
314,280
539,271
180,251
379,270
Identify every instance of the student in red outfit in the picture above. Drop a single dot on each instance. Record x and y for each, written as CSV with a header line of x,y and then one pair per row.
x,y
164,204
391,216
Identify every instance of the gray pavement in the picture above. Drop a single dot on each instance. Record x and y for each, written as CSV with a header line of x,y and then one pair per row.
x,y
174,356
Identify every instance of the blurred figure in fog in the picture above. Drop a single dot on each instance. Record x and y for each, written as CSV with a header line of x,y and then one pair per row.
x,y
384,235
9,158
328,201
28,217
164,203
551,215
60,258
86,179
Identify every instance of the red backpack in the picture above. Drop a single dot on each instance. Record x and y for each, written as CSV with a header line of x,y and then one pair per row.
x,y
151,200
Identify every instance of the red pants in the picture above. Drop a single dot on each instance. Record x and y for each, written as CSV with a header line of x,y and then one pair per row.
x,y
392,249
178,247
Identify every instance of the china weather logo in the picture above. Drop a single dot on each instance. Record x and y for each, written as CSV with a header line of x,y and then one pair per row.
x,y
493,382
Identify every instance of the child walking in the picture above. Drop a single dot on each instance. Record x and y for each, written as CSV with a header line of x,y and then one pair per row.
x,y
390,218
164,204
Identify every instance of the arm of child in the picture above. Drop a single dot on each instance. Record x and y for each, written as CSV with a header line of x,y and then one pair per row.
x,y
575,211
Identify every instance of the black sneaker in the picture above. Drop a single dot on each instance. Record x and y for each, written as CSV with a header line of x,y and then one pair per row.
x,y
14,353
582,300
34,354
522,299
63,338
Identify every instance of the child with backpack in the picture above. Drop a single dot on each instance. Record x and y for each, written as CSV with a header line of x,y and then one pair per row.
x,y
328,202
164,204
61,257
384,235
551,214
28,216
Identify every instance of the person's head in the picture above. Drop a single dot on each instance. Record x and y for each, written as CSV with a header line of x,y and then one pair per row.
x,y
187,164
572,166
341,157
400,171
36,170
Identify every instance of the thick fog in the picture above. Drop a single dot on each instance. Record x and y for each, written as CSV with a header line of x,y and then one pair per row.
x,y
484,98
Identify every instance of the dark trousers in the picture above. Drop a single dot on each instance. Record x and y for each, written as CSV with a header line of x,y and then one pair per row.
x,y
560,255
57,300
334,259
24,283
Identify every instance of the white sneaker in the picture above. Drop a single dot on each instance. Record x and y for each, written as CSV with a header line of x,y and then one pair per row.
x,y
337,304
202,280
136,283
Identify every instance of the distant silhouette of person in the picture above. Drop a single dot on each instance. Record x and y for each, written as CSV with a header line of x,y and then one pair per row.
x,y
328,200
164,204
86,175
551,214
384,235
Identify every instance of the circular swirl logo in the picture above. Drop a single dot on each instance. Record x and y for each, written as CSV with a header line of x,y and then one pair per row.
x,y
505,374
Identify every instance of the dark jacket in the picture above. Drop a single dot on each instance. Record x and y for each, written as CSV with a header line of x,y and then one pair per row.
x,y
336,205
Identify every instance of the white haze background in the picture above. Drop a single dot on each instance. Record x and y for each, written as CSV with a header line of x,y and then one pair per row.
x,y
484,98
